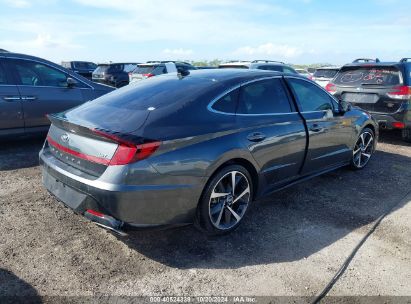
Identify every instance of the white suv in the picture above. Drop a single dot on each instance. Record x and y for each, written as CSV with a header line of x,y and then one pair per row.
x,y
154,68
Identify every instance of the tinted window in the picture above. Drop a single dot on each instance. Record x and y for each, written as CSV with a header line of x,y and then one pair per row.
x,y
289,70
3,78
101,68
325,73
357,76
129,67
233,67
263,97
37,74
228,103
115,68
310,97
151,69
84,65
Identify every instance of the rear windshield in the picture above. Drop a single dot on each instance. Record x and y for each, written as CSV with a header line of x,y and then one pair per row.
x,y
84,65
101,68
325,73
157,92
150,69
233,67
386,76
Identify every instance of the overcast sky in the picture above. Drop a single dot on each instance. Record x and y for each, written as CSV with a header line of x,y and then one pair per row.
x,y
296,31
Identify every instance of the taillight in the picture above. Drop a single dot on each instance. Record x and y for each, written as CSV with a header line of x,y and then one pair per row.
x,y
398,125
331,88
400,92
310,77
148,75
128,152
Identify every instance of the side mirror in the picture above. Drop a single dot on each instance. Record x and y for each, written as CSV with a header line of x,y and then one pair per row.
x,y
71,82
344,107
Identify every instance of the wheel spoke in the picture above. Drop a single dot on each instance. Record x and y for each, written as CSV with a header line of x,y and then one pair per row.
x,y
362,139
233,174
247,190
237,217
217,195
219,216
367,155
356,151
369,142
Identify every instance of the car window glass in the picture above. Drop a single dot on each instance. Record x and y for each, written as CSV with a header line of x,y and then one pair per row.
x,y
37,74
310,97
263,97
129,67
115,68
288,70
228,103
3,78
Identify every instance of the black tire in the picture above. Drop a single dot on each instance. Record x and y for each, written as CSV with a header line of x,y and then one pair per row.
x,y
363,149
213,223
406,135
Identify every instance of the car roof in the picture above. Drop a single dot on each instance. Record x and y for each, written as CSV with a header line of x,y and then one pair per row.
x,y
329,68
374,64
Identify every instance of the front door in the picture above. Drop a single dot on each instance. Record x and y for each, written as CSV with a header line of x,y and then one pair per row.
x,y
43,90
330,135
273,132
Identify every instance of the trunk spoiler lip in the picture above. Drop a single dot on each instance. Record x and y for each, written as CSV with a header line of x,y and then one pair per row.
x,y
60,121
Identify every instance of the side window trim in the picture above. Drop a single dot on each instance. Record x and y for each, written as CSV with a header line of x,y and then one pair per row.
x,y
293,110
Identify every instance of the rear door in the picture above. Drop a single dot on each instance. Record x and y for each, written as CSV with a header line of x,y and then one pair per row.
x,y
370,87
274,132
43,90
330,135
11,111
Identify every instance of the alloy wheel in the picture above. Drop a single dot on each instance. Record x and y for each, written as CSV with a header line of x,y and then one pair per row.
x,y
229,200
363,149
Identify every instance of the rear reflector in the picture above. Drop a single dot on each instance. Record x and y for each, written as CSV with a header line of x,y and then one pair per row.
x,y
398,125
331,88
400,92
95,213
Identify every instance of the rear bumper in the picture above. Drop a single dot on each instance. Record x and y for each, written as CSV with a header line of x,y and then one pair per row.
x,y
386,121
135,206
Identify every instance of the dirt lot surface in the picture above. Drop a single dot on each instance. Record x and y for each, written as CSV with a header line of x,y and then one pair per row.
x,y
291,243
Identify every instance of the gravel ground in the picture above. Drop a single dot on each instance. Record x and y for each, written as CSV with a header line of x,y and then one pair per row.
x,y
291,243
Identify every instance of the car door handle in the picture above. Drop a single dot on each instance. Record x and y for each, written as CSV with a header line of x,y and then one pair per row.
x,y
11,98
29,98
316,128
256,137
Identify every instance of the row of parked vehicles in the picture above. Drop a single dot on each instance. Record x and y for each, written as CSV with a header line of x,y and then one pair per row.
x,y
196,146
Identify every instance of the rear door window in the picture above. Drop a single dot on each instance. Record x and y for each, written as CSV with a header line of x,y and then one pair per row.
x,y
310,97
3,76
228,103
325,73
36,74
264,97
357,76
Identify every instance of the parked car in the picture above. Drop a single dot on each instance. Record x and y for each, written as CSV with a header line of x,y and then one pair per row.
x,y
324,75
83,68
268,65
381,88
113,74
304,72
199,148
31,87
150,69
